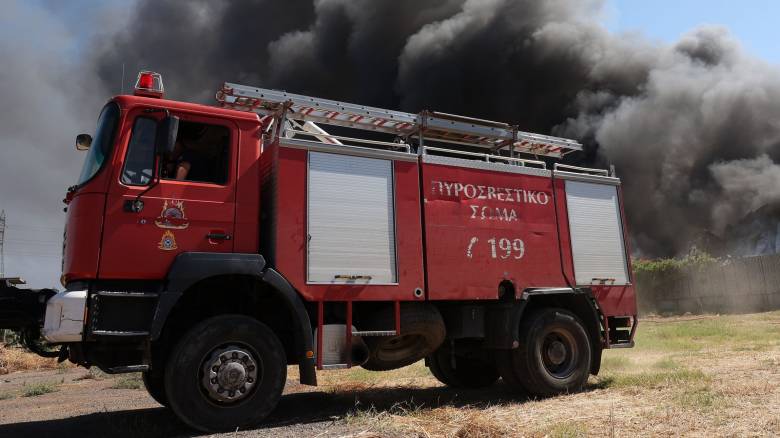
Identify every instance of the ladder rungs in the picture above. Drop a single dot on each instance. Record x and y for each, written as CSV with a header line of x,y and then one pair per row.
x,y
374,333
439,127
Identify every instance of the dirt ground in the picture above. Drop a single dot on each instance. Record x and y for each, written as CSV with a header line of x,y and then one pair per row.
x,y
688,376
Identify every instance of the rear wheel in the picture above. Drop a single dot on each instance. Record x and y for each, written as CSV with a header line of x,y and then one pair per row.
x,y
553,357
227,372
467,368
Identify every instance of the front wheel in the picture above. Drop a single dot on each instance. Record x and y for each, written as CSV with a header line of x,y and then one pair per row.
x,y
227,372
553,357
155,386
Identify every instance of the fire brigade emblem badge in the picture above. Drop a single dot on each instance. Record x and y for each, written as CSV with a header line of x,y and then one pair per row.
x,y
168,241
172,216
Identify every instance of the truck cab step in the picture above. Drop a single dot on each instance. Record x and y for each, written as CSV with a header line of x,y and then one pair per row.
x,y
629,344
335,366
128,369
127,294
119,333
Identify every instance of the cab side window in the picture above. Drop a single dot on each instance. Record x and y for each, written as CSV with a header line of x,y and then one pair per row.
x,y
139,162
200,155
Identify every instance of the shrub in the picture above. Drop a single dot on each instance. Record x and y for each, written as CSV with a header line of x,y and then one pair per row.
x,y
694,260
36,389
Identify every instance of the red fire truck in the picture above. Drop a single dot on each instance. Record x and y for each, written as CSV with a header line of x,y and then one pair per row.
x,y
211,247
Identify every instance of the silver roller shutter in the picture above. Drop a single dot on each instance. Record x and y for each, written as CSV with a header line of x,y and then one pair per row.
x,y
351,220
596,232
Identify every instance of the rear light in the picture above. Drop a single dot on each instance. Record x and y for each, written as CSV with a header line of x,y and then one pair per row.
x,y
149,84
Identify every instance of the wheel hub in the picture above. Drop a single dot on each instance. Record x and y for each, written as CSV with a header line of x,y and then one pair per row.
x,y
556,351
229,374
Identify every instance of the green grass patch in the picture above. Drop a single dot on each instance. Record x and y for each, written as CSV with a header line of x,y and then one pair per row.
x,y
768,316
610,362
132,381
36,389
733,331
652,379
667,363
364,376
567,429
700,397
6,395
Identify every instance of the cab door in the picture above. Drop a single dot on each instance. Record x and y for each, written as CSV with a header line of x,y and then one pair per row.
x,y
194,213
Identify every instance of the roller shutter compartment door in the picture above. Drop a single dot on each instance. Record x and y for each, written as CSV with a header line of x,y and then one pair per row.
x,y
596,233
351,220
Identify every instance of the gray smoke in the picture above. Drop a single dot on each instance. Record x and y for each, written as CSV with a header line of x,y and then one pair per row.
x,y
670,118
692,128
747,185
705,107
48,97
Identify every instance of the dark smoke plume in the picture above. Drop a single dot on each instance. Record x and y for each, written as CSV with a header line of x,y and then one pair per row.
x,y
692,128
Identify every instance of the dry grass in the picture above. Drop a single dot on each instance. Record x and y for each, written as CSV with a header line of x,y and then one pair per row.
x,y
40,388
128,381
705,376
18,359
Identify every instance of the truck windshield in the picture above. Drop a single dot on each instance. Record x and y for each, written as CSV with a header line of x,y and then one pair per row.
x,y
101,144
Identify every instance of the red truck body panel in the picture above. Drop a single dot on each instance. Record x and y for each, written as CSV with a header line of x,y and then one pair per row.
x,y
83,230
289,247
141,246
483,227
460,230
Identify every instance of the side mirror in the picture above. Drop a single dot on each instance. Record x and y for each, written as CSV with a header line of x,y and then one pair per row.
x,y
166,135
83,142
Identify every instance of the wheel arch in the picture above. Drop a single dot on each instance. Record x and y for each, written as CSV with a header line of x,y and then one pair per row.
x,y
198,281
580,302
503,321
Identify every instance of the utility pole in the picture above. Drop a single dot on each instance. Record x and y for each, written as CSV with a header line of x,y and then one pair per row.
x,y
2,243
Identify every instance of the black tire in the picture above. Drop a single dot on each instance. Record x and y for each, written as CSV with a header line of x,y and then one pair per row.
x,y
154,382
553,357
474,369
422,331
237,351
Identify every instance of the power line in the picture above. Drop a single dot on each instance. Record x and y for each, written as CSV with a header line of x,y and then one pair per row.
x,y
52,243
35,228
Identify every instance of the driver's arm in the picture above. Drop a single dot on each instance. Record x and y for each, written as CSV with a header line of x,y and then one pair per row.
x,y
182,170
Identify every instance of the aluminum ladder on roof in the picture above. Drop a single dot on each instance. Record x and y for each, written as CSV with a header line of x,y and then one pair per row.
x,y
486,135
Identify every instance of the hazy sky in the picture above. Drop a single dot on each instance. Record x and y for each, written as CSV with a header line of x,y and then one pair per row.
x,y
51,94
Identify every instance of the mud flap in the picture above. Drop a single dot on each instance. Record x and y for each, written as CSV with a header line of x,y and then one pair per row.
x,y
501,325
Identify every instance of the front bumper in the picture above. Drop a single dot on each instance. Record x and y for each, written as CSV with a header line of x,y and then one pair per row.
x,y
64,321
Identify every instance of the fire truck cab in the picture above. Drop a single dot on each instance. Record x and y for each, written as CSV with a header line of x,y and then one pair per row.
x,y
211,247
